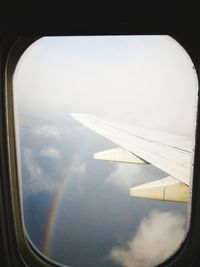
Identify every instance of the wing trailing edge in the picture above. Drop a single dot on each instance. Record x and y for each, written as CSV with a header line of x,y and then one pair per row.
x,y
167,189
119,154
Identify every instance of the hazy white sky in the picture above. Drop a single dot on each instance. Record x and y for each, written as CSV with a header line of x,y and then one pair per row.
x,y
149,80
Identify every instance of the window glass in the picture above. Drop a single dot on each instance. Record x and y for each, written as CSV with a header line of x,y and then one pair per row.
x,y
99,119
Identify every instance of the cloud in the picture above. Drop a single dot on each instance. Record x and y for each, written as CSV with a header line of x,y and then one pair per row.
x,y
77,174
158,236
47,130
36,180
127,175
50,152
80,173
124,175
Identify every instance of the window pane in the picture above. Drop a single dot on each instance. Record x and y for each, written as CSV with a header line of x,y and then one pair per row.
x,y
106,138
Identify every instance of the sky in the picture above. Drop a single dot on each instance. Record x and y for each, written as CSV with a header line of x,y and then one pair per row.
x,y
78,210
147,80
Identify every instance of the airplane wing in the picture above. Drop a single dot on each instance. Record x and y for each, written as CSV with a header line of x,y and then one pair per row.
x,y
169,152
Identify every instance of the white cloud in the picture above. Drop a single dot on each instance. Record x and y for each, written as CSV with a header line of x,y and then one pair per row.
x,y
47,130
80,173
127,175
158,236
77,174
124,175
36,181
50,152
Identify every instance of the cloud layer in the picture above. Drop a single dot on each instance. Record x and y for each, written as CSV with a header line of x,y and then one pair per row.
x,y
158,236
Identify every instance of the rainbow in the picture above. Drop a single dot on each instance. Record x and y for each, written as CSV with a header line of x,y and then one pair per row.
x,y
54,211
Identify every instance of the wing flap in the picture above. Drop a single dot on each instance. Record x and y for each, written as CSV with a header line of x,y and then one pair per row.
x,y
167,189
119,154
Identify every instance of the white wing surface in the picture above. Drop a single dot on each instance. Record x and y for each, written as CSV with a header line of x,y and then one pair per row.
x,y
168,152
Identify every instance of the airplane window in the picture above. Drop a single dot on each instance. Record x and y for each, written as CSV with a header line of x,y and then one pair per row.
x,y
106,132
